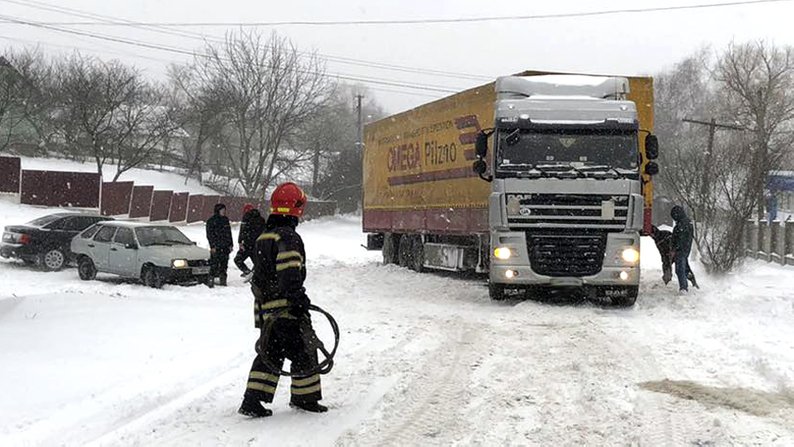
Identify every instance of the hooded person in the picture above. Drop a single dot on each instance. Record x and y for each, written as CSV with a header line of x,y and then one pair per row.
x,y
683,233
251,226
281,311
664,244
219,236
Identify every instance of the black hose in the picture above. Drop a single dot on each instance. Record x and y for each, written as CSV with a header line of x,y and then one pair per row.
x,y
323,367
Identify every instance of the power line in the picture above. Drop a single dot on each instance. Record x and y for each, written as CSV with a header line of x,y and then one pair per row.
x,y
110,20
343,76
427,21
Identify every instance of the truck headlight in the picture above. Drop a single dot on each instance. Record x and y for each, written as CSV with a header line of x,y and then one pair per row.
x,y
630,255
179,263
502,253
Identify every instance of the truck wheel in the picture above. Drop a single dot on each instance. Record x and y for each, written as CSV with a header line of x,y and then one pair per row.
x,y
52,260
628,299
406,254
86,268
391,248
152,278
417,254
496,291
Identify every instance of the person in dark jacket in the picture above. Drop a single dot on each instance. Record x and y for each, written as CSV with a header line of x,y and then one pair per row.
x,y
281,311
219,236
664,243
683,232
251,226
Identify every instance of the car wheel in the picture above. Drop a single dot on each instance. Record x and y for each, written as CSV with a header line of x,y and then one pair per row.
x,y
52,260
86,268
152,278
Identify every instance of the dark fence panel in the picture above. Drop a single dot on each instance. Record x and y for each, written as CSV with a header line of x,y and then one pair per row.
x,y
57,188
195,208
178,207
116,198
161,205
315,209
209,206
141,202
234,207
10,173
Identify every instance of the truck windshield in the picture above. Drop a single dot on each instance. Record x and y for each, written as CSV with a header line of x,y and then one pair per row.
x,y
523,149
161,236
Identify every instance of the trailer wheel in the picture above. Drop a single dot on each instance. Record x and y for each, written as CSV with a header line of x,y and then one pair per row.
x,y
417,254
391,248
405,252
496,291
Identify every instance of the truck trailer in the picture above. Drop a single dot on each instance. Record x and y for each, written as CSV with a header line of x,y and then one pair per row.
x,y
543,180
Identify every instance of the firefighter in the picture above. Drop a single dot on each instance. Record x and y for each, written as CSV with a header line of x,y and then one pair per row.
x,y
251,226
281,305
219,236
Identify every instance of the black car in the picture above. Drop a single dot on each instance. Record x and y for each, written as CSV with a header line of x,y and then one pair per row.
x,y
46,241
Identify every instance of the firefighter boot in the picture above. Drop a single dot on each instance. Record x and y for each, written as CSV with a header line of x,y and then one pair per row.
x,y
253,408
311,407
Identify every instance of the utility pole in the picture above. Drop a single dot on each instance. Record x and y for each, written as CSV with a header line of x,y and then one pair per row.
x,y
360,131
713,126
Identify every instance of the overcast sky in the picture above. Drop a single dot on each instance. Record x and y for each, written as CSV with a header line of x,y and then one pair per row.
x,y
620,44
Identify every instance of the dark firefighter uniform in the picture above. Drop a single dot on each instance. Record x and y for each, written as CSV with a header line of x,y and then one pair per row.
x,y
279,298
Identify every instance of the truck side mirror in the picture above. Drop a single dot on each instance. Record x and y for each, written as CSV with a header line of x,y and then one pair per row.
x,y
479,167
651,147
481,145
652,168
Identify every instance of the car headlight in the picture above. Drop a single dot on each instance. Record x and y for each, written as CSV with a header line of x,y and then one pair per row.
x,y
502,253
630,255
179,263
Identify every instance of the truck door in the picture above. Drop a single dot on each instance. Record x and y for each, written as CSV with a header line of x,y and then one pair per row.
x,y
123,253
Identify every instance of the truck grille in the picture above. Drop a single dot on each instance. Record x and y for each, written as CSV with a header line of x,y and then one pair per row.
x,y
566,254
198,263
568,211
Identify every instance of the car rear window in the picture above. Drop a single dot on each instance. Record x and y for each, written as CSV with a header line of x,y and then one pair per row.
x,y
90,232
79,223
105,234
41,221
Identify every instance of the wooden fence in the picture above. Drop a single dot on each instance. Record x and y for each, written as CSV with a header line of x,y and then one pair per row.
x,y
770,241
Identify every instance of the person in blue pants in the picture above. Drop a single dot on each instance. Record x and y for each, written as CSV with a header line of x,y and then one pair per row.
x,y
683,233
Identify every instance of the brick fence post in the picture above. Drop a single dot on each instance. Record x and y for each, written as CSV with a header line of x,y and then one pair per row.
x,y
763,240
789,250
775,248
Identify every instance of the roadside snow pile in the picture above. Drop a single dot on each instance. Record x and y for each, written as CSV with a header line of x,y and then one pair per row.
x,y
160,180
425,359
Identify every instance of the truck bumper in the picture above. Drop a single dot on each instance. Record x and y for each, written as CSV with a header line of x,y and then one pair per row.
x,y
517,271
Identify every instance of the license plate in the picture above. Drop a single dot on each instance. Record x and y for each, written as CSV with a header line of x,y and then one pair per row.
x,y
201,270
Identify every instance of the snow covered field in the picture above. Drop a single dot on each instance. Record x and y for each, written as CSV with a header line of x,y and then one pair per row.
x,y
161,180
425,359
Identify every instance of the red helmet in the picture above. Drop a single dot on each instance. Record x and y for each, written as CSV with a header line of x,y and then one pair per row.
x,y
288,199
248,207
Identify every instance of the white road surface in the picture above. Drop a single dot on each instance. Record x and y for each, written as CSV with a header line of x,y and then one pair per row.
x,y
425,359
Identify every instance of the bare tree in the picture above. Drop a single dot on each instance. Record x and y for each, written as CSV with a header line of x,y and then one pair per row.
x,y
756,81
269,91
23,102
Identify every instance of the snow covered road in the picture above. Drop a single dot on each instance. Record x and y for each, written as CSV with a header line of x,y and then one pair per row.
x,y
425,359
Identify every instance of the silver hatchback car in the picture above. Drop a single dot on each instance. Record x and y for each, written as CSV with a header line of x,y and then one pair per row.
x,y
157,254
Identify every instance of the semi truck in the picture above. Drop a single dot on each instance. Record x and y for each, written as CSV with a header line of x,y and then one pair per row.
x,y
542,180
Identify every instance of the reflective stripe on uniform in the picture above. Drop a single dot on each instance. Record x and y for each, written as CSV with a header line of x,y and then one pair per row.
x,y
289,265
256,386
289,254
257,375
307,381
275,304
271,236
304,391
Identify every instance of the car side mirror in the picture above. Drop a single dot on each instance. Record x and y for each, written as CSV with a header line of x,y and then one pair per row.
x,y
651,147
481,145
479,167
652,168
131,246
